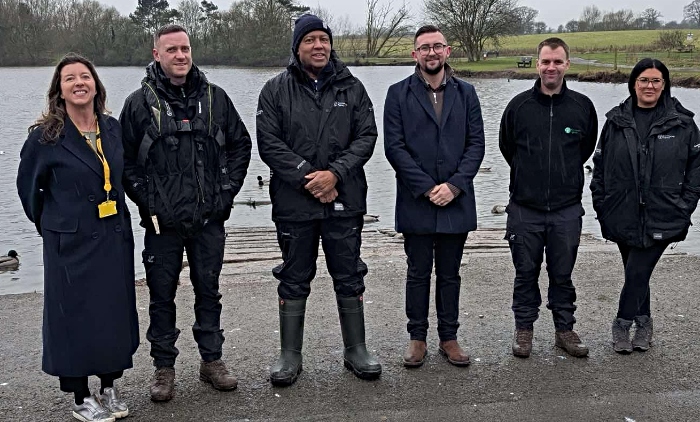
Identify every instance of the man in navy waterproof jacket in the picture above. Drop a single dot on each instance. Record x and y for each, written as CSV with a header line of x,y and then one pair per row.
x,y
434,139
186,153
316,131
547,134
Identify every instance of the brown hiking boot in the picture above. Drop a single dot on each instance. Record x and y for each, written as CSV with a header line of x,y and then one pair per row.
x,y
454,354
522,343
216,374
415,354
571,343
163,386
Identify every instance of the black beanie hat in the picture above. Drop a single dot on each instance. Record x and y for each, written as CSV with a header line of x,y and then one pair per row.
x,y
305,24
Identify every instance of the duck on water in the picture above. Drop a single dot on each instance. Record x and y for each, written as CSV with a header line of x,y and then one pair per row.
x,y
9,262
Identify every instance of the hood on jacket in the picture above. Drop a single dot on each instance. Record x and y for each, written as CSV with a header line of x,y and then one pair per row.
x,y
156,76
622,115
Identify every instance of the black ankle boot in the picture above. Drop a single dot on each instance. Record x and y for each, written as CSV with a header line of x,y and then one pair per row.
x,y
288,366
352,325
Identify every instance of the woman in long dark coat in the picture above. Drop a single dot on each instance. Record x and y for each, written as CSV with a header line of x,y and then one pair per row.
x,y
69,182
645,187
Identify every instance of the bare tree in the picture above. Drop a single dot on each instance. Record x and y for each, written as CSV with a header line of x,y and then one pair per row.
x,y
385,29
691,12
468,24
344,33
591,18
650,18
618,21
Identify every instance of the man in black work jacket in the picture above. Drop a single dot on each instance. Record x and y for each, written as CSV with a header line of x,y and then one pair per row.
x,y
186,153
316,131
547,134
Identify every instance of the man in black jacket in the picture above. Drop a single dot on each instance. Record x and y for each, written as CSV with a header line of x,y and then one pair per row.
x,y
186,153
547,134
316,131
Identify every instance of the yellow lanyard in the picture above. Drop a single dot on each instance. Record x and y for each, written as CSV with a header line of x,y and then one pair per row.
x,y
100,155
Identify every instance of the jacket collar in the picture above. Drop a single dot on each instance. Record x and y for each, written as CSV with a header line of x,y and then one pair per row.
x,y
418,88
75,143
547,99
449,73
340,72
670,109
195,81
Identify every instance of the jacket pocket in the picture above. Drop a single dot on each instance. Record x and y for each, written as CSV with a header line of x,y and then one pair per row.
x,y
64,229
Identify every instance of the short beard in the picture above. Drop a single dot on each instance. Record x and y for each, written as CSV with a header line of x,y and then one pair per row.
x,y
433,71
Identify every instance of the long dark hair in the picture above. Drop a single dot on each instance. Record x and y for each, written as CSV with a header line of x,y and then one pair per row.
x,y
53,119
641,66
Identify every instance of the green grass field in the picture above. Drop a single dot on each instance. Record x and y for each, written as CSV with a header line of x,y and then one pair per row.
x,y
582,42
631,46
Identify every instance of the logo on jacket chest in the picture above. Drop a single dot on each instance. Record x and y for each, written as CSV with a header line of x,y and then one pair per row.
x,y
571,131
661,137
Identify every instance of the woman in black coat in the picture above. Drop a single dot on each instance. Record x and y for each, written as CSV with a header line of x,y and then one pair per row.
x,y
69,182
645,187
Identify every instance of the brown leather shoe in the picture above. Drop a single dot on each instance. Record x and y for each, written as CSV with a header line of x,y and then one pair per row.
x,y
454,354
415,354
522,343
163,386
216,374
570,341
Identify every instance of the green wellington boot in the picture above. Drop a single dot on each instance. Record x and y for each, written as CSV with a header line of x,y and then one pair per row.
x,y
288,367
352,325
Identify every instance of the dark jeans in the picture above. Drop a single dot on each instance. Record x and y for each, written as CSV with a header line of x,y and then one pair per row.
x,y
639,263
162,257
448,250
341,239
530,233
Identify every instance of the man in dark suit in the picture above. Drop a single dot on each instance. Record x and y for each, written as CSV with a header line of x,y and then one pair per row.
x,y
434,140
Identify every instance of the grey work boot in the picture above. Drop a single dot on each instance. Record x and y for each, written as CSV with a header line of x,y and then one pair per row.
x,y
621,335
288,366
352,325
216,374
642,335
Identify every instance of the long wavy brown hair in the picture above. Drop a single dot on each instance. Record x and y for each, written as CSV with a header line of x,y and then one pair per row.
x,y
53,119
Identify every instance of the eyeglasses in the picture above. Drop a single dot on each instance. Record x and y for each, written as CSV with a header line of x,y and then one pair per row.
x,y
425,48
655,82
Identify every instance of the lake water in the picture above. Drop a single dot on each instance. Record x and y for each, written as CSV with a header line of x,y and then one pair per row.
x,y
23,92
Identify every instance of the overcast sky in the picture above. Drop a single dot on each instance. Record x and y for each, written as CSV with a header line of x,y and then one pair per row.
x,y
552,12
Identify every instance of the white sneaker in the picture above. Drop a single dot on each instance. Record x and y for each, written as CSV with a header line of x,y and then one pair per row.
x,y
112,401
92,411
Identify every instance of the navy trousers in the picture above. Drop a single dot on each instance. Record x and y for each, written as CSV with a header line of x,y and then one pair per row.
x,y
162,258
340,238
531,233
447,250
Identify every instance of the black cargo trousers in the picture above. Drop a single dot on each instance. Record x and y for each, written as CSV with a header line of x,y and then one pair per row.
x,y
341,239
531,233
162,258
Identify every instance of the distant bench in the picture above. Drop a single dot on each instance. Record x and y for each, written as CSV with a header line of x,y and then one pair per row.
x,y
525,61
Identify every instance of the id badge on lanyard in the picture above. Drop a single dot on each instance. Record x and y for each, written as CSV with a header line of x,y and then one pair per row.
x,y
108,207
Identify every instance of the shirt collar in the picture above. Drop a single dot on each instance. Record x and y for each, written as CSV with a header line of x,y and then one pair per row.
x,y
449,72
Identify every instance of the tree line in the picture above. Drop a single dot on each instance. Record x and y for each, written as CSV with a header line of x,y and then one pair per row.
x,y
258,32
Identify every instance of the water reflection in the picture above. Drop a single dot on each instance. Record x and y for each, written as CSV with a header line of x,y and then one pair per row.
x,y
23,91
